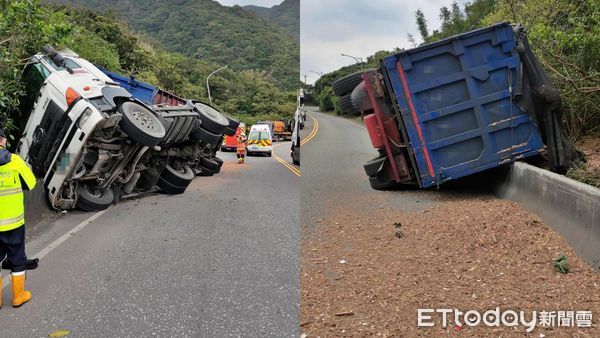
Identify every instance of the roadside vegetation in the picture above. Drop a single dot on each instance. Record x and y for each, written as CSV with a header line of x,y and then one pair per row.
x,y
27,25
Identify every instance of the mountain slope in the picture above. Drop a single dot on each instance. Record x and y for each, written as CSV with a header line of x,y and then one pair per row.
x,y
206,30
286,15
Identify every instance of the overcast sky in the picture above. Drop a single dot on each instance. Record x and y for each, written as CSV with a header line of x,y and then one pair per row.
x,y
359,28
264,3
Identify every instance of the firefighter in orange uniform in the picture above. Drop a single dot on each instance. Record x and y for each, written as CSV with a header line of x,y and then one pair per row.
x,y
241,146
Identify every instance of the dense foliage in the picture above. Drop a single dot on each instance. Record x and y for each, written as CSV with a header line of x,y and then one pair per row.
x,y
565,36
26,26
24,29
206,30
286,15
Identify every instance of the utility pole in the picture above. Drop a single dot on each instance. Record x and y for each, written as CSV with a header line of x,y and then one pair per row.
x,y
208,86
305,79
358,59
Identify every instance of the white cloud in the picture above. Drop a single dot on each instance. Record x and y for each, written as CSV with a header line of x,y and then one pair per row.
x,y
357,27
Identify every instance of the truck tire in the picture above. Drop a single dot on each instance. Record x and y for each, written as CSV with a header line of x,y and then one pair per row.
x,y
360,98
382,182
205,136
178,175
372,167
204,171
234,123
220,162
139,123
346,105
346,84
209,163
170,188
92,200
212,120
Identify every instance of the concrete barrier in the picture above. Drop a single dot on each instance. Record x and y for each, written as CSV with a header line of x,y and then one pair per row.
x,y
569,207
37,209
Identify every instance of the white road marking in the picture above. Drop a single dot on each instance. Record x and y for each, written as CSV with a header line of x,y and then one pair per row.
x,y
42,253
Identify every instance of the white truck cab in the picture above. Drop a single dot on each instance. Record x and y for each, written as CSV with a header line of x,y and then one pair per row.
x,y
84,134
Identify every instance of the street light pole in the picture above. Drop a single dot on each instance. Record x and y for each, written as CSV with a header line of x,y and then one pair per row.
x,y
358,59
320,75
208,86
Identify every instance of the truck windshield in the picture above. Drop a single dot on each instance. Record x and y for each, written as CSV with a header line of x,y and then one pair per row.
x,y
68,63
259,135
34,76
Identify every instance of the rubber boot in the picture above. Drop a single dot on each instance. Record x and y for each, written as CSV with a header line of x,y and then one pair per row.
x,y
20,295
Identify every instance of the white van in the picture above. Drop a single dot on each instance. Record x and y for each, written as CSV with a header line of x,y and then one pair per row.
x,y
259,140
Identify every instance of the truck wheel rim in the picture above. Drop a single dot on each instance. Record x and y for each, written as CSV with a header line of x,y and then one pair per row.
x,y
146,121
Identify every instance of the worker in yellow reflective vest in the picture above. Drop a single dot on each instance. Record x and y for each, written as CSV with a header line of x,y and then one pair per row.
x,y
15,176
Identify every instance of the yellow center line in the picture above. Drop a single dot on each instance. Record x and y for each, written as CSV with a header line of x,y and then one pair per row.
x,y
310,136
293,169
313,133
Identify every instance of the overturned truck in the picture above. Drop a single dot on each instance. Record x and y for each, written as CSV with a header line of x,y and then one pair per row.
x,y
93,142
456,107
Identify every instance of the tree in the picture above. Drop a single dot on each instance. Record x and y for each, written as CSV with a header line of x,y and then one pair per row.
x,y
445,17
422,24
411,40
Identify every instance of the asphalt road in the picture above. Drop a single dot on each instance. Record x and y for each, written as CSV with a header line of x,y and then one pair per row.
x,y
282,154
332,172
220,260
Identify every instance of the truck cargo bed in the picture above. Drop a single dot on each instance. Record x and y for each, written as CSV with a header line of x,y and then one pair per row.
x,y
456,99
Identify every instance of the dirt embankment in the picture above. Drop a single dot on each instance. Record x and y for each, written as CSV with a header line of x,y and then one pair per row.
x,y
367,273
588,172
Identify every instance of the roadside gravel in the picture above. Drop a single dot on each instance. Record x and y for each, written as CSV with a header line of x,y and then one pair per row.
x,y
367,271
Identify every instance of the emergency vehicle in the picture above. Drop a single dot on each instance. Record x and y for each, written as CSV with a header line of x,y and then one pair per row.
x,y
230,142
259,140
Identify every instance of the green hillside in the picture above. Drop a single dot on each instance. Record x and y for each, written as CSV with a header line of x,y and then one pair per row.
x,y
206,30
26,26
286,15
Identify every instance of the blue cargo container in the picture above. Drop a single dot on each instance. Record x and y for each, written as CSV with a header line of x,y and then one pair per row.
x,y
145,92
455,105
